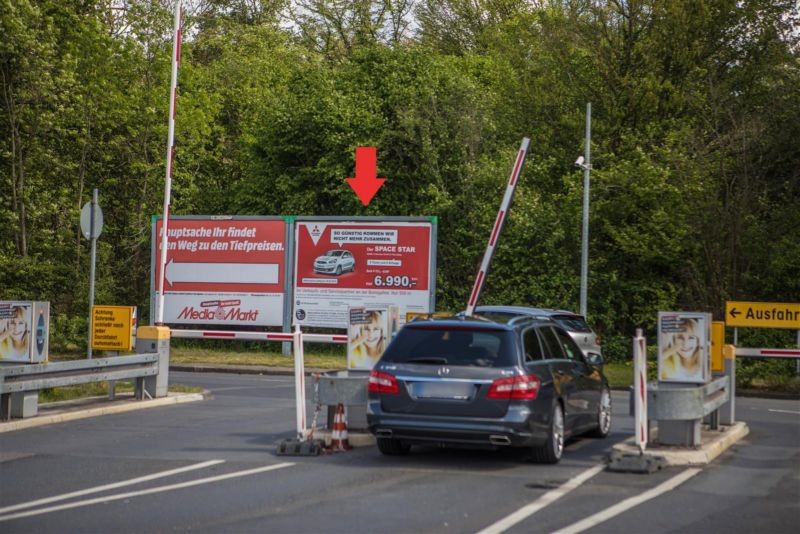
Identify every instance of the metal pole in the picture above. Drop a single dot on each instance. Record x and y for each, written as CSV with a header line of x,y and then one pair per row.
x,y
93,237
299,383
176,58
797,362
641,432
587,166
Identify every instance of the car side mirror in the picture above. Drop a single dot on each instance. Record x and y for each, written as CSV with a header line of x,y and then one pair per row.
x,y
595,358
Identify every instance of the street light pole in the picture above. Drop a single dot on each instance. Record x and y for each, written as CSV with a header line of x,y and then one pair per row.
x,y
587,166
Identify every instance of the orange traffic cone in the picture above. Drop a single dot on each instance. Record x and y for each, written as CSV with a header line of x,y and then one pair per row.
x,y
339,431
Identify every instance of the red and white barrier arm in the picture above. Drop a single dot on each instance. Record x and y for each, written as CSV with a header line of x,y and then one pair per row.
x,y
176,60
255,336
768,353
498,225
640,389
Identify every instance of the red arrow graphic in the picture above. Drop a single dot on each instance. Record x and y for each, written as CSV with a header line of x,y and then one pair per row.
x,y
366,183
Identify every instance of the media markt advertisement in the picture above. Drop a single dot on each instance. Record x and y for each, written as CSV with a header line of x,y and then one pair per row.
x,y
368,263
222,270
24,331
684,341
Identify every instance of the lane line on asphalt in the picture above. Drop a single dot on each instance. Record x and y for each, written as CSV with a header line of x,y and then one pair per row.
x,y
784,411
548,498
627,504
150,491
114,485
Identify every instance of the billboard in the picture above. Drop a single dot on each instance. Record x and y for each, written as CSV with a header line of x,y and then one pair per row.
x,y
222,270
684,341
367,262
24,331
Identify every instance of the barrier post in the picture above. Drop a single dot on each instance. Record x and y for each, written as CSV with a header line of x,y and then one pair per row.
x,y
299,383
640,390
151,339
727,412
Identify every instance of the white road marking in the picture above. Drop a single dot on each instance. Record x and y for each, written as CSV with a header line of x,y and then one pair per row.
x,y
627,504
548,498
115,485
160,489
784,411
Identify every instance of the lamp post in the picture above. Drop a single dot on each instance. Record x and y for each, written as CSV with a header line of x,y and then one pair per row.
x,y
584,162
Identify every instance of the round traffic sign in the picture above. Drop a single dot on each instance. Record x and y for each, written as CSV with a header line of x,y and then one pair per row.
x,y
86,219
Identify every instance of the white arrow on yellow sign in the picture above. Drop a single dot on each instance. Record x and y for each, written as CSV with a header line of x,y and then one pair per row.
x,y
762,314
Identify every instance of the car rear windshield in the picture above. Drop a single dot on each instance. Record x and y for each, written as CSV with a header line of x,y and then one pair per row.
x,y
438,345
572,323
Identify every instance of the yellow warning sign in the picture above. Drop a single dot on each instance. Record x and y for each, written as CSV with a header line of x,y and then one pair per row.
x,y
112,327
762,315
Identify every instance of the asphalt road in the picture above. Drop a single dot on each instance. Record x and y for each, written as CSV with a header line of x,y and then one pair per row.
x,y
211,467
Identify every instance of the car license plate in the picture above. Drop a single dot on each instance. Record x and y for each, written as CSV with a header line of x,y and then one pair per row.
x,y
443,390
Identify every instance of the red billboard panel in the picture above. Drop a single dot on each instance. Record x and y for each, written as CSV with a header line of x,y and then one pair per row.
x,y
222,270
353,263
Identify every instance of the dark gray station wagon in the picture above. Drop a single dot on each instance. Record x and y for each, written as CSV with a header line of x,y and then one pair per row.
x,y
484,384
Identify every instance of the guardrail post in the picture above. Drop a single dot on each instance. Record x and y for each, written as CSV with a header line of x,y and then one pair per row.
x,y
727,412
150,339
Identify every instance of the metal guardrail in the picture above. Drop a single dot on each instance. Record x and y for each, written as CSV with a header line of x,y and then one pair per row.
x,y
33,377
676,402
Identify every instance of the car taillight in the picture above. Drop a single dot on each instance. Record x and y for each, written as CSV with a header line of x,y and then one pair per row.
x,y
380,382
597,339
524,387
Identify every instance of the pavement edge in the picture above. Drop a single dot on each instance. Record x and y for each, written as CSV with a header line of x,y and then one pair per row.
x,y
107,408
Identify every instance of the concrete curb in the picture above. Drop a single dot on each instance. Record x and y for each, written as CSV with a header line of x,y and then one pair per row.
x,y
355,439
79,410
715,442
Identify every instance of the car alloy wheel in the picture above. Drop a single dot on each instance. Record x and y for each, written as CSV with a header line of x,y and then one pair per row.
x,y
551,451
603,415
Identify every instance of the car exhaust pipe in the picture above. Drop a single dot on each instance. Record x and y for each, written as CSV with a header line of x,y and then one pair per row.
x,y
383,433
499,440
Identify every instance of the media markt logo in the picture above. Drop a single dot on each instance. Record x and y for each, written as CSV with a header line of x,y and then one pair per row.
x,y
315,230
219,310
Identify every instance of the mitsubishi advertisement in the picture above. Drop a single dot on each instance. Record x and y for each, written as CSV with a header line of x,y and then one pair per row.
x,y
369,263
222,270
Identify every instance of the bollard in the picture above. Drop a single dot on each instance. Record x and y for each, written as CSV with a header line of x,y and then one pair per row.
x,y
150,339
641,431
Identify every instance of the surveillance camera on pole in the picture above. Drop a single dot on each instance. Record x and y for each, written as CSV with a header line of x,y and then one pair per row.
x,y
579,161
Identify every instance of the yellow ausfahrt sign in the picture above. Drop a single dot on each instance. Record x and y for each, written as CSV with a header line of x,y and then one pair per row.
x,y
112,327
762,315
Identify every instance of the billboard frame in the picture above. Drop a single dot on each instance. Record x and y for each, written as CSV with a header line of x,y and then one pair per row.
x,y
287,273
432,220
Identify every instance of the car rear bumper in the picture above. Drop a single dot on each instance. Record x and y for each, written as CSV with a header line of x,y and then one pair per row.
x,y
473,432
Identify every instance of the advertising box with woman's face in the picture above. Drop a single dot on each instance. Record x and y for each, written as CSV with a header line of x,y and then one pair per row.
x,y
24,331
683,347
369,332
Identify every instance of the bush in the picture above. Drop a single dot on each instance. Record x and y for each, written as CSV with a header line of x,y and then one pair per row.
x,y
68,334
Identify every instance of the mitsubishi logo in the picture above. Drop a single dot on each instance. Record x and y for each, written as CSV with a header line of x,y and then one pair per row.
x,y
443,371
